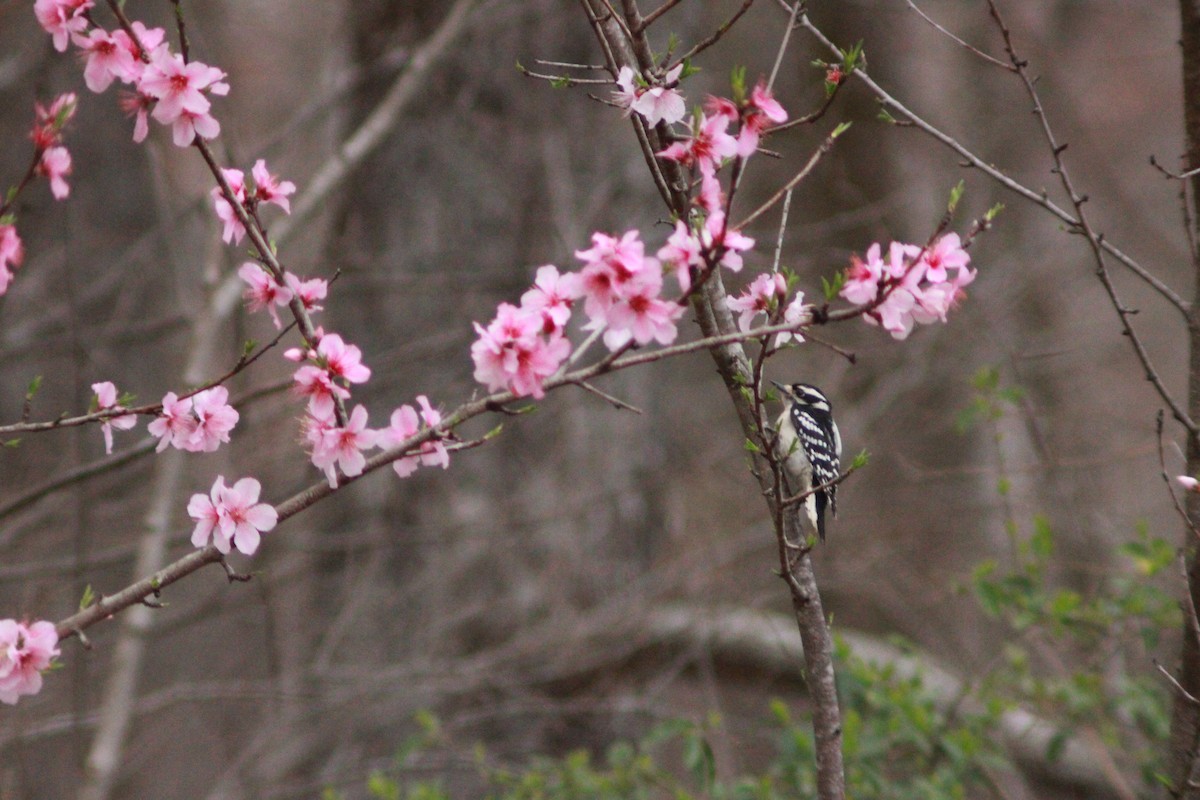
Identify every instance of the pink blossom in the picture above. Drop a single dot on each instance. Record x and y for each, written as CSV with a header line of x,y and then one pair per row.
x,y
335,446
106,400
721,107
342,360
757,299
762,99
179,88
206,510
405,425
609,265
137,105
657,103
231,516
317,385
945,253
511,353
12,251
627,89
732,243
48,123
150,39
682,251
263,291
108,58
797,314
233,229
61,18
269,189
25,652
1188,482
862,278
895,313
433,453
711,198
310,292
640,315
710,144
56,166
175,425
215,418
552,296
188,125
660,103
761,109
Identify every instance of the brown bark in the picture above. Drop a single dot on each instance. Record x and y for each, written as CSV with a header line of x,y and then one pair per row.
x,y
1185,719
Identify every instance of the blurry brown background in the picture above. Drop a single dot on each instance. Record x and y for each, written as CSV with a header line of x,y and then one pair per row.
x,y
506,593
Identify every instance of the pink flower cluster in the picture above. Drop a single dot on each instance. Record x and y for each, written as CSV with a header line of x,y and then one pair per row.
x,y
197,424
267,188
621,290
765,295
231,516
711,141
619,284
405,424
913,285
54,160
25,651
166,87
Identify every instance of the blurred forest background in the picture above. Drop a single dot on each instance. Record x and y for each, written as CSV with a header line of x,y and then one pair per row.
x,y
513,595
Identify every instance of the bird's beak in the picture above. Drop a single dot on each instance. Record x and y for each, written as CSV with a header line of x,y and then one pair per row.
x,y
780,387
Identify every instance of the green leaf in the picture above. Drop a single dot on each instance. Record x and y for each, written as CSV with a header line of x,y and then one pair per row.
x,y
993,212
861,459
89,597
34,386
840,129
698,759
955,195
853,58
689,69
1042,541
752,447
831,288
560,83
737,83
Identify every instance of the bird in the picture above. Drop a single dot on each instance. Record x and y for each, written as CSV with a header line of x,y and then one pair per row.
x,y
811,448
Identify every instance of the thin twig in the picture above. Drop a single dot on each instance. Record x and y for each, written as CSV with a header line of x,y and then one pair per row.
x,y
616,401
990,59
825,147
709,41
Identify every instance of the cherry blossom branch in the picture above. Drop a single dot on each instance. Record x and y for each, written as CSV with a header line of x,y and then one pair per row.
x,y
715,320
971,160
145,587
154,408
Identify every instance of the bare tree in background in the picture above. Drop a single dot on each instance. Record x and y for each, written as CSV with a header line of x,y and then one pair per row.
x,y
521,595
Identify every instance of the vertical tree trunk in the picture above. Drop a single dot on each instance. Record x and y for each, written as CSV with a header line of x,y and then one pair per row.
x,y
1185,719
